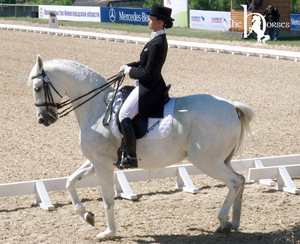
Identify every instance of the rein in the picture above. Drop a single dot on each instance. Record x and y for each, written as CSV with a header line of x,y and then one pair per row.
x,y
115,80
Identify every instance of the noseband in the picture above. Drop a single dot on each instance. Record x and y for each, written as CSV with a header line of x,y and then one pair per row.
x,y
49,101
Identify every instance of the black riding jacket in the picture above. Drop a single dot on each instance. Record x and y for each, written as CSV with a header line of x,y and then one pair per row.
x,y
148,71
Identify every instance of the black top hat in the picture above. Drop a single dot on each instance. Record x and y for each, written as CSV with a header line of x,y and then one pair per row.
x,y
161,12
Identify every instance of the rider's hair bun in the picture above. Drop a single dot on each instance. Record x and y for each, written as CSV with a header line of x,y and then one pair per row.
x,y
168,24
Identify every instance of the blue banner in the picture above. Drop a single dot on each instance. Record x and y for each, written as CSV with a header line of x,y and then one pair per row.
x,y
295,21
125,15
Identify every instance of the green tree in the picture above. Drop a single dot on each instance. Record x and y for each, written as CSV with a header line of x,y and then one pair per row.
x,y
220,5
8,1
295,6
150,3
199,4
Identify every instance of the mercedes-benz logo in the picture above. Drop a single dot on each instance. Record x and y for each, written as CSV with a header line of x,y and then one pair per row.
x,y
112,15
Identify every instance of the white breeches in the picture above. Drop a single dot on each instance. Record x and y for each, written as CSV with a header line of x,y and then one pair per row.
x,y
130,107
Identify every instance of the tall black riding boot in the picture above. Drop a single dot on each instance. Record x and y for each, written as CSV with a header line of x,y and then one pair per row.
x,y
130,144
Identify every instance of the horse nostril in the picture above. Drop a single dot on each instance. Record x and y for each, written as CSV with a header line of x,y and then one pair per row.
x,y
41,120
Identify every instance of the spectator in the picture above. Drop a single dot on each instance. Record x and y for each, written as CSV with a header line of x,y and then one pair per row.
x,y
258,4
272,17
249,4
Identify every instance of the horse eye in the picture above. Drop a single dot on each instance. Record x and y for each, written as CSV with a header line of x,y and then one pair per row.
x,y
37,89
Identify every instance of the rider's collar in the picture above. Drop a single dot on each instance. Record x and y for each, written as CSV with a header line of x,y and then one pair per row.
x,y
157,33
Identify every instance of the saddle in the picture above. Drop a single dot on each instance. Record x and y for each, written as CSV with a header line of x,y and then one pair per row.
x,y
159,127
140,122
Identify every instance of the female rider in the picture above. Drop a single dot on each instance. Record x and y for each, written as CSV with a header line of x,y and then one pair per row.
x,y
151,87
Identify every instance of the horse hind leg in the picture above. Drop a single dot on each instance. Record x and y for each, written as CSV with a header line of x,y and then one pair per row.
x,y
237,203
235,184
86,170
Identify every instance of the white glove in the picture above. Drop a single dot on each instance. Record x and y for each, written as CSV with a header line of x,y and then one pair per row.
x,y
123,67
127,69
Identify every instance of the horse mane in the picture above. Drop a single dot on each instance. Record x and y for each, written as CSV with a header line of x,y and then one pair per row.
x,y
72,63
65,62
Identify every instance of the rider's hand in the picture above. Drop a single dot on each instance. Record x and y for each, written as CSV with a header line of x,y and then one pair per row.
x,y
123,67
127,69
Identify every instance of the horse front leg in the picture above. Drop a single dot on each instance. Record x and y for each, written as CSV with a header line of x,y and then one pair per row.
x,y
86,170
105,174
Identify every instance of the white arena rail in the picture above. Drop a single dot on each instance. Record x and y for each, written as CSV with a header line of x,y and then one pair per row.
x,y
282,168
278,54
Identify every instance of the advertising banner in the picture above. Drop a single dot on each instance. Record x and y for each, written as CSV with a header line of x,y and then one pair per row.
x,y
295,21
125,15
179,11
74,13
210,20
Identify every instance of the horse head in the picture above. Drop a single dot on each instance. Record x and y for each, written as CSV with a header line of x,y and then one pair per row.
x,y
47,95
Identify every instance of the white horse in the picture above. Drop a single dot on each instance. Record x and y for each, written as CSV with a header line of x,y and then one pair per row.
x,y
207,130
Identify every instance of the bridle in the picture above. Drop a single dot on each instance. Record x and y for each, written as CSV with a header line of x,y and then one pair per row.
x,y
49,103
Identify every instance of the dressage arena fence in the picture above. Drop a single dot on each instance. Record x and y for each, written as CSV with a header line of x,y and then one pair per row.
x,y
274,171
260,52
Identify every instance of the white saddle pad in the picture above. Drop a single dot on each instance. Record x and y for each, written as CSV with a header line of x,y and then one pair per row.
x,y
157,127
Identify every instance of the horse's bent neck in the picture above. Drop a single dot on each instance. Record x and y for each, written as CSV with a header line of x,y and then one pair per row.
x,y
78,80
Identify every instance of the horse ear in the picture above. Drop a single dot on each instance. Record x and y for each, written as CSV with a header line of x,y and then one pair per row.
x,y
39,62
37,69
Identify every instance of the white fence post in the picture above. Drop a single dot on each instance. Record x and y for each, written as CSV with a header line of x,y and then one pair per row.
x,y
184,181
268,182
122,186
283,174
285,182
42,197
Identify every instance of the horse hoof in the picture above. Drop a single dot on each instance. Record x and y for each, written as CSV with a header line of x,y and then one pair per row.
x,y
106,235
219,230
90,218
235,228
226,229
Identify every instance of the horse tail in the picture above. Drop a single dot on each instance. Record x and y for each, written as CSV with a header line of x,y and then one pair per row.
x,y
245,114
